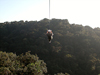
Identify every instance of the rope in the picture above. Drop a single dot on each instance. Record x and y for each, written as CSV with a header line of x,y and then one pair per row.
x,y
49,13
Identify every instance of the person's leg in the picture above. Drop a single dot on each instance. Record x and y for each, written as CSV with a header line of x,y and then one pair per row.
x,y
49,39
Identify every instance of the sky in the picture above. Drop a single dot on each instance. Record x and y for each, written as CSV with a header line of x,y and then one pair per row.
x,y
82,12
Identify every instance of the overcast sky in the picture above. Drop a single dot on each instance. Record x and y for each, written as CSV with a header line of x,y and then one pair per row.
x,y
84,12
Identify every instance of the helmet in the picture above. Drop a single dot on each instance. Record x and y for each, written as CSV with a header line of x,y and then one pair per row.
x,y
49,30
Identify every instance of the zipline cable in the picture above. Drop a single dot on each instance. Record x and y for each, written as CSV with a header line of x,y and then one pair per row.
x,y
49,13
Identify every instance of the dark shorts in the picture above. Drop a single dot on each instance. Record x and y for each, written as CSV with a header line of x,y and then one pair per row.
x,y
49,37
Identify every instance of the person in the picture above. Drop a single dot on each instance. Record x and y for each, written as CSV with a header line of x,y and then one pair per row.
x,y
50,35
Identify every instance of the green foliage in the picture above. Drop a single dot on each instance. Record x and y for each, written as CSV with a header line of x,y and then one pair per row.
x,y
68,55
11,64
75,49
62,74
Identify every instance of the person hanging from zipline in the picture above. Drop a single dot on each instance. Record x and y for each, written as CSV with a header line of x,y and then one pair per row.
x,y
50,35
49,32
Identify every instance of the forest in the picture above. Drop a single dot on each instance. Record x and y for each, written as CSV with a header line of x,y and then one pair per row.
x,y
24,48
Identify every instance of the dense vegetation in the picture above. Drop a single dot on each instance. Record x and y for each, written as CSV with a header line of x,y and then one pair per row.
x,y
75,49
11,64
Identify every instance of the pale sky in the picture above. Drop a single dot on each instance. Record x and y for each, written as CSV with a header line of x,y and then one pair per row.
x,y
82,12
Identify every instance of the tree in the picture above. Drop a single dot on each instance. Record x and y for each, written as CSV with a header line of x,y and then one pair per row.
x,y
11,64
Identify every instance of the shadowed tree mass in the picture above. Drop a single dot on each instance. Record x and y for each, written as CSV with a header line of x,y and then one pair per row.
x,y
75,49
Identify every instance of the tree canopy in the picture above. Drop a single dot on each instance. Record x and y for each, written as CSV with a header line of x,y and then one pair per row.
x,y
75,49
11,64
